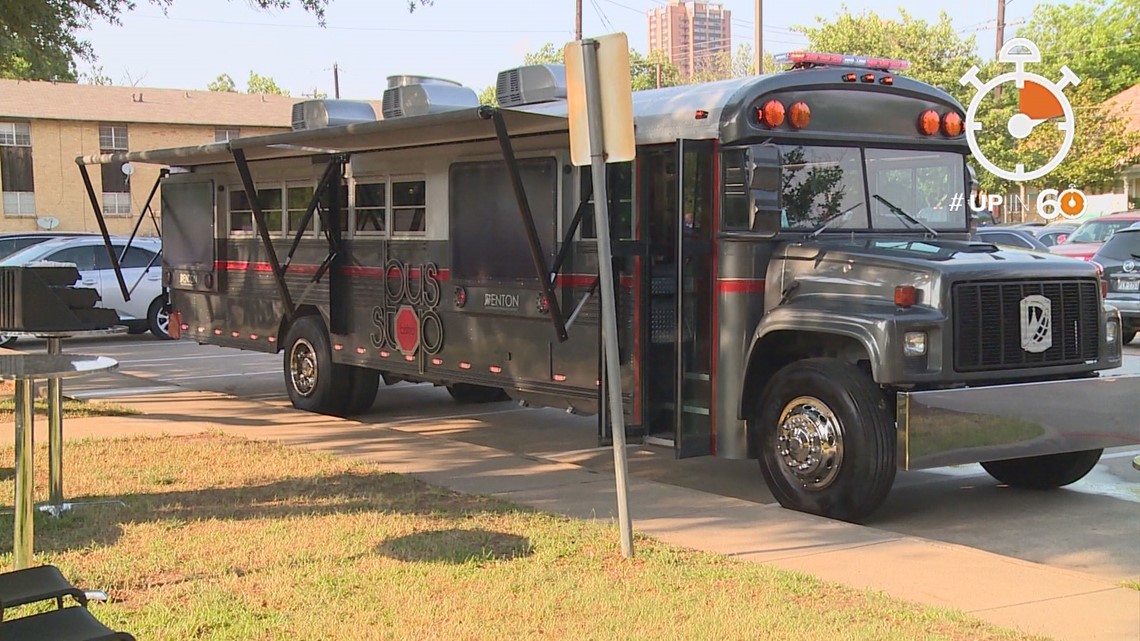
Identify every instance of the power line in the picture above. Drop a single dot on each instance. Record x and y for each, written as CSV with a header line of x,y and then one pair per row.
x,y
243,23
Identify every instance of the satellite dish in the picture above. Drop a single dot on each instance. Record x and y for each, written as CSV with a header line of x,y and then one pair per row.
x,y
47,222
128,169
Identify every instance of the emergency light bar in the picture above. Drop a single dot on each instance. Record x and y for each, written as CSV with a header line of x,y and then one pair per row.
x,y
801,59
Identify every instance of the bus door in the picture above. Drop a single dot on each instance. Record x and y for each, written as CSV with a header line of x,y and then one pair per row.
x,y
676,200
695,278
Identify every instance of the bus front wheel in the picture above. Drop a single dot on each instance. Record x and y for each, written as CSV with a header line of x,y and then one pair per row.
x,y
826,439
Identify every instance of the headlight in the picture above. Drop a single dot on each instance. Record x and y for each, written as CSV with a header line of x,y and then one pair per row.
x,y
914,343
1111,331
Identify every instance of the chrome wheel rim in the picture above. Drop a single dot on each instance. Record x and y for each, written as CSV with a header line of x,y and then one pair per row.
x,y
303,367
162,319
809,443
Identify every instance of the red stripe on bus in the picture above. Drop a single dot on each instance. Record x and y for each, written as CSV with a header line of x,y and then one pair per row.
x,y
353,270
587,280
740,285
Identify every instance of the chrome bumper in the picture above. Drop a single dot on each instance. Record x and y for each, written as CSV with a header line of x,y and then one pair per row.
x,y
970,425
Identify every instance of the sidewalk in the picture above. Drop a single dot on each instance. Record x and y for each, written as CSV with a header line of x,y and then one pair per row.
x,y
1009,592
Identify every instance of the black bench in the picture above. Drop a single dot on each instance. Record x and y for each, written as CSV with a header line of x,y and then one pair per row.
x,y
67,624
36,584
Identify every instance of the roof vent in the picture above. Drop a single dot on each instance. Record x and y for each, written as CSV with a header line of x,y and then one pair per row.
x,y
530,85
420,95
318,114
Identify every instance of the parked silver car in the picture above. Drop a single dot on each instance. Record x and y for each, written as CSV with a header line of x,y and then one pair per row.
x,y
142,271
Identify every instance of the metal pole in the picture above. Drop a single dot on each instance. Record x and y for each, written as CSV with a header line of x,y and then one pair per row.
x,y
55,432
612,358
578,19
22,529
759,37
336,81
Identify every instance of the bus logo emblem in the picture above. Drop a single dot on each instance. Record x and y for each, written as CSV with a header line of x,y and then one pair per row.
x,y
407,330
1036,324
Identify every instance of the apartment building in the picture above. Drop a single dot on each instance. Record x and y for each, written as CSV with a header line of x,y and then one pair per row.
x,y
45,125
690,33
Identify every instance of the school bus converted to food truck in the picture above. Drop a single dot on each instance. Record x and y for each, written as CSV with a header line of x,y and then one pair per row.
x,y
795,280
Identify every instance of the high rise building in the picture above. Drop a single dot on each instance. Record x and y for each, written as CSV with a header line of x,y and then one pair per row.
x,y
690,33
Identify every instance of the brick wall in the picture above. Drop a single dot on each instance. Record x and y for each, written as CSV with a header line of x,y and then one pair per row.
x,y
59,187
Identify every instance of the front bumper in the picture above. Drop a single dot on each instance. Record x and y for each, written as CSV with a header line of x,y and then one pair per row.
x,y
1128,304
975,424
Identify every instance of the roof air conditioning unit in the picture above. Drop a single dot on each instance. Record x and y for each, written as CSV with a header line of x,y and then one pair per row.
x,y
531,85
420,95
318,114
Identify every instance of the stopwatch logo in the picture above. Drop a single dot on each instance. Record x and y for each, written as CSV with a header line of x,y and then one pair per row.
x,y
1039,100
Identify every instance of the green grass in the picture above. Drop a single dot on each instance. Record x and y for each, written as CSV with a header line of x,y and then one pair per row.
x,y
71,408
1131,584
230,539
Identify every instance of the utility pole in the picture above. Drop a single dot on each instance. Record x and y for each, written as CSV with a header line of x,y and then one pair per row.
x,y
577,19
336,81
759,37
1000,28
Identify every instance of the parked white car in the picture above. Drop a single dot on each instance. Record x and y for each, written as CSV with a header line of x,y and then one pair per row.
x,y
142,271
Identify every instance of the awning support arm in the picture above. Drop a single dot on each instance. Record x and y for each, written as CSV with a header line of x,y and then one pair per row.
x,y
569,239
162,173
263,231
334,247
496,116
103,230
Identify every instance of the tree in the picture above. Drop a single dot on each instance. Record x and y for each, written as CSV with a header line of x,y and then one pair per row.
x,y
549,54
263,84
488,97
223,83
652,71
39,39
1095,38
96,77
938,55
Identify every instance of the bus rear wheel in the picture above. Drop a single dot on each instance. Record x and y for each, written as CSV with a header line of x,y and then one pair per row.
x,y
314,382
826,439
467,393
1044,472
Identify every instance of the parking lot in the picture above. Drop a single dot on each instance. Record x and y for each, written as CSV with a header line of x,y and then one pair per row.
x,y
1088,527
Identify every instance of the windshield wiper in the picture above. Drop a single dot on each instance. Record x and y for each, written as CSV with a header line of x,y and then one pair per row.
x,y
896,210
832,218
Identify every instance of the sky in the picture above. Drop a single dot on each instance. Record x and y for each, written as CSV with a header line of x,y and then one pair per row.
x,y
468,41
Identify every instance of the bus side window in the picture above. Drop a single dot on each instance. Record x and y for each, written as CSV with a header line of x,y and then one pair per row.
x,y
409,206
735,211
619,180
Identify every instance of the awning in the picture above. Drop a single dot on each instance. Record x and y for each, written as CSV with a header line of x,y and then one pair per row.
x,y
414,131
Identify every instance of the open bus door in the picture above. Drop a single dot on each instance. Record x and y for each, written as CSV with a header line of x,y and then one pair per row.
x,y
677,186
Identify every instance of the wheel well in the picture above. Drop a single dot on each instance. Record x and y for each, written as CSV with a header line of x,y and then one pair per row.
x,y
285,325
779,348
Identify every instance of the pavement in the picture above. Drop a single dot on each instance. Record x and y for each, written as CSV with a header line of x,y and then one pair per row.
x,y
1054,602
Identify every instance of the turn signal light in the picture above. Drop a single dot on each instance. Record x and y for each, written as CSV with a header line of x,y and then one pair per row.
x,y
868,77
886,80
952,124
929,122
906,296
799,115
849,77
772,113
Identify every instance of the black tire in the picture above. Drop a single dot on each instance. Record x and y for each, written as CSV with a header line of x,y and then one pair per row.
x,y
365,383
467,393
158,319
851,472
313,381
138,327
1044,472
1129,338
7,340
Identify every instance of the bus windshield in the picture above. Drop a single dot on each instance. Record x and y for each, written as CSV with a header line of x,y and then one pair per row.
x,y
851,188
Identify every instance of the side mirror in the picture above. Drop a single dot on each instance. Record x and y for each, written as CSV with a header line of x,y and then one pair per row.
x,y
764,183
